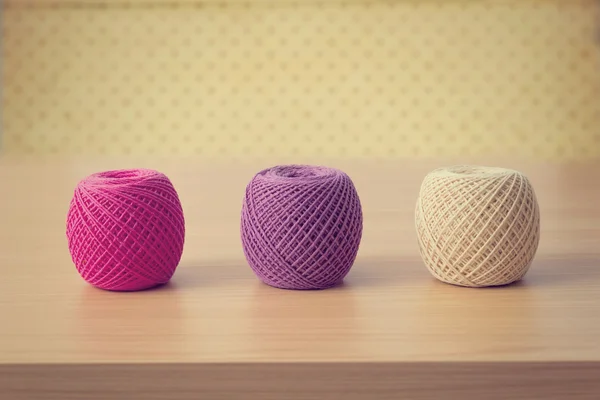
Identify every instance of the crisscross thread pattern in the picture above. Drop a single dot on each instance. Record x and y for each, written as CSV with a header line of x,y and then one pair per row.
x,y
301,226
477,226
126,229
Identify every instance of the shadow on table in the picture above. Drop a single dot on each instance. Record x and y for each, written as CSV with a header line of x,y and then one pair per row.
x,y
554,271
387,272
208,274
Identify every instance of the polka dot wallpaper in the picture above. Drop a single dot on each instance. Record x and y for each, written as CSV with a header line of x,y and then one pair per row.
x,y
357,78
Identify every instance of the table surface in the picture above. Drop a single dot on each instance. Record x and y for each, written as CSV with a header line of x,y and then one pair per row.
x,y
389,309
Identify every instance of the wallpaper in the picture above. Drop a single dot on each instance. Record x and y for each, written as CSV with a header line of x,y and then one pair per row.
x,y
296,78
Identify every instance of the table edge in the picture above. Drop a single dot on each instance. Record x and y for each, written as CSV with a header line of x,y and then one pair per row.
x,y
324,380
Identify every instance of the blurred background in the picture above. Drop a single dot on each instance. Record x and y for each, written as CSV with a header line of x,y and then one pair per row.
x,y
260,78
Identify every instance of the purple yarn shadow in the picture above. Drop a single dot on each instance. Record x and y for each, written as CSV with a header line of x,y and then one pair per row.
x,y
301,226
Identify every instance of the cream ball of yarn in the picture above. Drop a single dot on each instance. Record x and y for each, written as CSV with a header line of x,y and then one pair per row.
x,y
477,226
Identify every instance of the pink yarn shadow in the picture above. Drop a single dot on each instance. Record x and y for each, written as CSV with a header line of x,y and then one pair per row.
x,y
301,226
126,229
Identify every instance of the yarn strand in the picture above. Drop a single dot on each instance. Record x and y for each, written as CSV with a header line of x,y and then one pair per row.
x,y
477,226
301,226
125,229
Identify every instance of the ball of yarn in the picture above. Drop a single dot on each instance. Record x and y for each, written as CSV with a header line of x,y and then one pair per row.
x,y
125,229
477,226
301,226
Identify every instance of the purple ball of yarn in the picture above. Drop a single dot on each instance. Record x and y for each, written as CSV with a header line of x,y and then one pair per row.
x,y
301,226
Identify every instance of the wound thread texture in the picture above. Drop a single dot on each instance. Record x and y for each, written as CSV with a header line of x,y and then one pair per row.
x,y
301,226
125,229
477,226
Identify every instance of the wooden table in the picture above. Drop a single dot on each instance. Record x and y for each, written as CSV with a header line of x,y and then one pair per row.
x,y
390,331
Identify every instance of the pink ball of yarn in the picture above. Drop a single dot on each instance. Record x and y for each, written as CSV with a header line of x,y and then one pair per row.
x,y
301,226
125,229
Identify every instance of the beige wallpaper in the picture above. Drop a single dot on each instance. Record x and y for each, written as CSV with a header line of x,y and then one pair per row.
x,y
327,78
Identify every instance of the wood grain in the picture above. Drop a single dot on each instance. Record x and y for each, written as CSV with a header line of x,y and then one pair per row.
x,y
216,329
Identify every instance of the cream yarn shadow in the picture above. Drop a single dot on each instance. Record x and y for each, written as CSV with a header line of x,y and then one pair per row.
x,y
477,226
